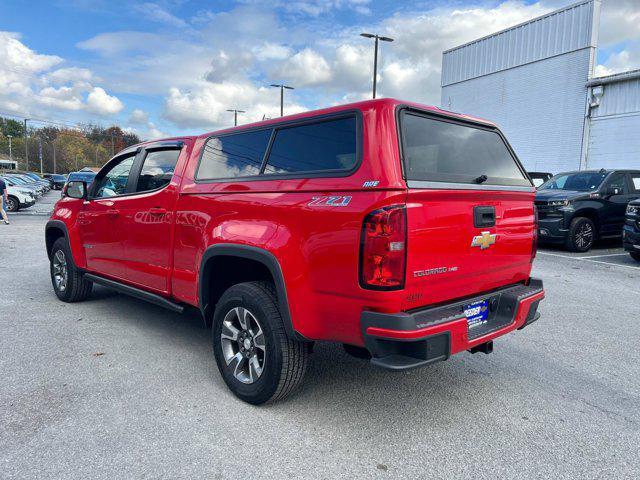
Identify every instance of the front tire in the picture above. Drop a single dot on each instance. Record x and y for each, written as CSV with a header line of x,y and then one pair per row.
x,y
582,235
67,280
12,204
635,256
256,358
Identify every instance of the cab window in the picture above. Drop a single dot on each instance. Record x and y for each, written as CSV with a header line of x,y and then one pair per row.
x,y
157,169
329,145
619,181
114,182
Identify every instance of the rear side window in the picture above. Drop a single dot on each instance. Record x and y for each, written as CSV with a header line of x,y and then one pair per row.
x,y
635,182
619,181
157,169
442,151
236,155
322,146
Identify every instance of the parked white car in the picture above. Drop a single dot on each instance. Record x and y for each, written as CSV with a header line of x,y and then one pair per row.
x,y
19,197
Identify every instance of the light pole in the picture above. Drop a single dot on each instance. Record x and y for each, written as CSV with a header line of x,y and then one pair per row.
x,y
54,154
26,144
235,116
40,153
282,87
10,153
375,55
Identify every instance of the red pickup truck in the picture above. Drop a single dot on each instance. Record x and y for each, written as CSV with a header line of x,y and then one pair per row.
x,y
403,231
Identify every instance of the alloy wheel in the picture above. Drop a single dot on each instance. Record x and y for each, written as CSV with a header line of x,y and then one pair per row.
x,y
243,345
60,273
584,235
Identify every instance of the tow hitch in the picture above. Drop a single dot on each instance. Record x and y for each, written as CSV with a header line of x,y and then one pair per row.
x,y
486,348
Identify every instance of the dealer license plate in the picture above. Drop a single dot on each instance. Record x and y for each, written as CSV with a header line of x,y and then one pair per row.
x,y
477,313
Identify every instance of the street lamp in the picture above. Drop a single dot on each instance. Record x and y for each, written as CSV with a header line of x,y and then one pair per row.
x,y
235,116
26,144
375,55
10,153
282,87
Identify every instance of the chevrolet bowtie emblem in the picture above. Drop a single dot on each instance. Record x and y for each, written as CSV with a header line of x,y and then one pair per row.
x,y
484,241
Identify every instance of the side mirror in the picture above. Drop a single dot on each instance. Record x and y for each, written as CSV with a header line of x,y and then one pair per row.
x,y
75,189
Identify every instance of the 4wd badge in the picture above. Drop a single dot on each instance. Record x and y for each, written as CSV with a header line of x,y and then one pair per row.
x,y
484,240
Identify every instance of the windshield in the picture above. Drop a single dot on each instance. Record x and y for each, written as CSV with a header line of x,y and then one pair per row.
x,y
580,182
438,150
82,177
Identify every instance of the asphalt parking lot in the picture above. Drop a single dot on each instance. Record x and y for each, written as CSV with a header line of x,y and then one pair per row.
x,y
117,388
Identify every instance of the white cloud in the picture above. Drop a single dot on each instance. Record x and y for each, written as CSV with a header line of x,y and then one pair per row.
x,y
33,83
112,44
155,12
205,106
622,61
315,8
138,117
271,51
619,21
101,103
64,98
305,68
14,55
69,74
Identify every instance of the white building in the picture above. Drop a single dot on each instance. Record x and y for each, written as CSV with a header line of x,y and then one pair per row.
x,y
535,80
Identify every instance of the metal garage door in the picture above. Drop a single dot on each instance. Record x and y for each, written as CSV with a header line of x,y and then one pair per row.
x,y
614,142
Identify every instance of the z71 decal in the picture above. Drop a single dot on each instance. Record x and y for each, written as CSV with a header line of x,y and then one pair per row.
x,y
338,201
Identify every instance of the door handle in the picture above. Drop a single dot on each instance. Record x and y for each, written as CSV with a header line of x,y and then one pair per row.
x,y
157,211
113,213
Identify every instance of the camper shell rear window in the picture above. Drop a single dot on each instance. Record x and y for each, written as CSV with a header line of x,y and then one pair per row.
x,y
440,149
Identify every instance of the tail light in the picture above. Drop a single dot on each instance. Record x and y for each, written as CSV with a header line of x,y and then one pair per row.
x,y
383,249
534,247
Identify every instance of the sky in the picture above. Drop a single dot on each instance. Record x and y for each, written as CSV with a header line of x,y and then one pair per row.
x,y
173,67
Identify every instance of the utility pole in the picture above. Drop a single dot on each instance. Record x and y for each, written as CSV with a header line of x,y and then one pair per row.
x,y
281,87
54,154
26,144
40,153
375,55
112,146
235,116
10,153
76,162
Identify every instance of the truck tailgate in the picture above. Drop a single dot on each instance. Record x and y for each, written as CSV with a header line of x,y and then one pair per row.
x,y
449,257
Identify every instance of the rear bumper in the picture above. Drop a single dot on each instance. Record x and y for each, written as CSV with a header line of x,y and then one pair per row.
x,y
408,340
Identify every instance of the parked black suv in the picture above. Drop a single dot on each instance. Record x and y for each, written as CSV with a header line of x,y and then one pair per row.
x,y
631,232
577,208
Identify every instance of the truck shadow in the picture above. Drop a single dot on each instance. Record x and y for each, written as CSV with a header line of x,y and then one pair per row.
x,y
344,394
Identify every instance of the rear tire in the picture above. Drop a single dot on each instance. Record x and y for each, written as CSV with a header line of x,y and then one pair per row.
x,y
635,256
12,204
258,361
67,280
582,235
